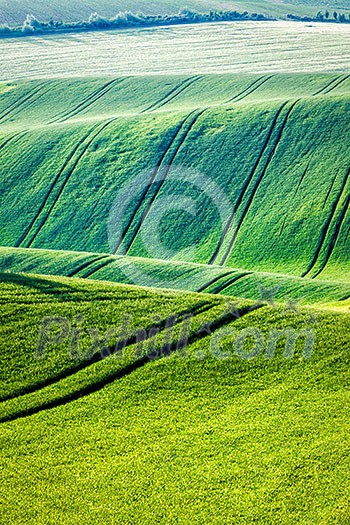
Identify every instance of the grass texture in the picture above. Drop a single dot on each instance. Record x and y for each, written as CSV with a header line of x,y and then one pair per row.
x,y
211,279
272,148
133,440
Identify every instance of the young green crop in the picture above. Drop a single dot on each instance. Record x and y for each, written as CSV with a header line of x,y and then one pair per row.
x,y
287,193
171,274
195,439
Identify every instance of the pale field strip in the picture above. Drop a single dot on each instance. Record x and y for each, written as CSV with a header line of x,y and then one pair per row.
x,y
235,47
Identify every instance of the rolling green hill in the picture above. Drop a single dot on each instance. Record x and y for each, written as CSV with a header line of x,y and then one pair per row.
x,y
260,163
174,269
132,438
14,12
211,279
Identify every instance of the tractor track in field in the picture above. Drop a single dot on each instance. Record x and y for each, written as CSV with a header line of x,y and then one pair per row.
x,y
301,180
321,91
330,190
87,102
89,138
248,90
148,187
262,80
15,137
163,352
201,308
33,100
302,177
229,283
248,182
193,118
64,114
334,238
283,225
18,104
326,228
336,85
86,265
259,180
213,281
196,115
172,94
95,270
53,184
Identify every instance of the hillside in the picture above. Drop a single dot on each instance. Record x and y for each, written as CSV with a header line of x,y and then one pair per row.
x,y
72,153
211,279
174,266
14,12
107,440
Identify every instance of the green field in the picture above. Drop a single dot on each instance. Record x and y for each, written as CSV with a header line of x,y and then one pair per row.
x,y
175,271
70,148
130,439
175,275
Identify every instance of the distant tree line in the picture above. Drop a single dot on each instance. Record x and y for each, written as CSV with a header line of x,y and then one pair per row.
x,y
127,19
323,17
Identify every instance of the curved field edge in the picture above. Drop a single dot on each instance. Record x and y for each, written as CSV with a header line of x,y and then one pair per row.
x,y
173,275
274,429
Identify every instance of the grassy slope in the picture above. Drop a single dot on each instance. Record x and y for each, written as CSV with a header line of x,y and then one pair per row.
x,y
172,275
288,191
14,12
161,439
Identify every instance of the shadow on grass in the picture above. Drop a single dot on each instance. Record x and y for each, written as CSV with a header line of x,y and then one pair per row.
x,y
38,283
